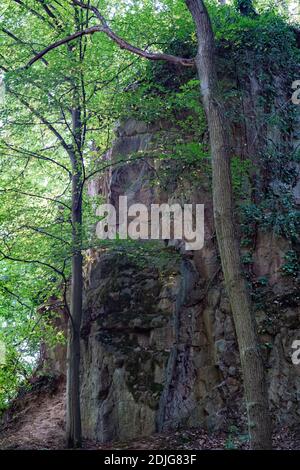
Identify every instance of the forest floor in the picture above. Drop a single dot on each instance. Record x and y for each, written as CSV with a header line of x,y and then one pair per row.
x,y
37,420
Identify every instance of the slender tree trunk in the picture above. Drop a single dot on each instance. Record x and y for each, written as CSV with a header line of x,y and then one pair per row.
x,y
74,431
73,374
252,364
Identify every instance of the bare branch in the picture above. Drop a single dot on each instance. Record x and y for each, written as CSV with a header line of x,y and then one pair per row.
x,y
104,28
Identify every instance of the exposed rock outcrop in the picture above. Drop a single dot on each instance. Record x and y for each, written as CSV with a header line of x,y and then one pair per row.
x,y
159,347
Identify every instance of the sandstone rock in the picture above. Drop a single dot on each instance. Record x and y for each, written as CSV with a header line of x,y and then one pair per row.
x,y
160,348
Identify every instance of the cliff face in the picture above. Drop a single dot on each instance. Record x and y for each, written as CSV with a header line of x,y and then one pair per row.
x,y
158,343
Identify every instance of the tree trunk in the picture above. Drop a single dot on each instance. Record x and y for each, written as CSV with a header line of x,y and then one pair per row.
x,y
73,375
73,369
256,394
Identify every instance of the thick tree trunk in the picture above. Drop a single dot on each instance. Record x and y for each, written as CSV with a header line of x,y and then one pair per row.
x,y
73,375
252,364
73,369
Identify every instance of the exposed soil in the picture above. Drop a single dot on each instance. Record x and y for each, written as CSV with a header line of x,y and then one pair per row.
x,y
36,420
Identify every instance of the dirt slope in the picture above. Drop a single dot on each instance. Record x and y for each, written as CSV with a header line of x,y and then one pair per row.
x,y
36,420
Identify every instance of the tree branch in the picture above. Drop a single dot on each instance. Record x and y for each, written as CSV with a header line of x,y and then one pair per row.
x,y
104,28
43,120
41,231
36,195
12,294
29,153
32,261
34,12
66,40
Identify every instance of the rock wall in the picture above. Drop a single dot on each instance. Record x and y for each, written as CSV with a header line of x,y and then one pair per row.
x,y
158,342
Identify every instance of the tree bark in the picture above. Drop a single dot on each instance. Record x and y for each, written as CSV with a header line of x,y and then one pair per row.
x,y
73,370
256,393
